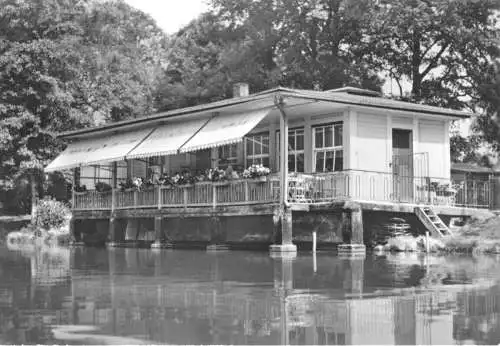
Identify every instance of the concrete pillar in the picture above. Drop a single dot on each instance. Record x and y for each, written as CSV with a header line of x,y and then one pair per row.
x,y
132,229
159,234
286,233
112,232
352,231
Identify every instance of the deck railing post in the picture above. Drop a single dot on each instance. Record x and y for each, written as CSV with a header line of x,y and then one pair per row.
x,y
185,196
214,195
73,182
245,187
159,197
135,198
114,170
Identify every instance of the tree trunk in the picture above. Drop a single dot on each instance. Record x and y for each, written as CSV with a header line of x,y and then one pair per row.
x,y
415,65
34,194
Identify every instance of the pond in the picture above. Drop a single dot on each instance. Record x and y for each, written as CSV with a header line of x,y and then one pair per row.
x,y
134,296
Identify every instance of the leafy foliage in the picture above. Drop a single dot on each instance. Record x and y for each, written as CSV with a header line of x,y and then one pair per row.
x,y
66,64
441,47
50,214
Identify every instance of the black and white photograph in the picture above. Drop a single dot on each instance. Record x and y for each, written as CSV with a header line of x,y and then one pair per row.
x,y
250,172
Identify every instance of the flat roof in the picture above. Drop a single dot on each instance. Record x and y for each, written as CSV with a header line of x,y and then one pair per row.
x,y
337,97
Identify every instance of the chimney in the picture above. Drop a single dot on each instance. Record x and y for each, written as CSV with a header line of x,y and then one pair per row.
x,y
240,90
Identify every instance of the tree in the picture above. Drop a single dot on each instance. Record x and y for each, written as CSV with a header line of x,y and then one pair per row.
x,y
440,47
205,59
64,62
312,43
488,124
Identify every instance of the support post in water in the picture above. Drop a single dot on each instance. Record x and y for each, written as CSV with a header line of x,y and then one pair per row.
x,y
314,241
427,244
112,219
352,223
284,211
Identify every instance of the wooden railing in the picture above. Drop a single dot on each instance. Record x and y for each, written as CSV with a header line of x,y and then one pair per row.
x,y
93,200
387,187
204,194
303,188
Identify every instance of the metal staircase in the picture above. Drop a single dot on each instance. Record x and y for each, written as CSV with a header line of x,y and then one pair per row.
x,y
432,222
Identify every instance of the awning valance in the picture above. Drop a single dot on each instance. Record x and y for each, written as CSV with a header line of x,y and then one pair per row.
x,y
92,151
225,129
167,139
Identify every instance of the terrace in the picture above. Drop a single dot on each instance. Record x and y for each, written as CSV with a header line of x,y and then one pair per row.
x,y
309,189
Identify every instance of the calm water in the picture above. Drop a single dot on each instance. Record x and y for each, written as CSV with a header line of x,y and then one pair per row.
x,y
132,296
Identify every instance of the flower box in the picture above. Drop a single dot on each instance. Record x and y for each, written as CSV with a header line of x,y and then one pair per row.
x,y
221,183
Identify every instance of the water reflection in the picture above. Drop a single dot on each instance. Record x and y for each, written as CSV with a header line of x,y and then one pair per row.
x,y
192,297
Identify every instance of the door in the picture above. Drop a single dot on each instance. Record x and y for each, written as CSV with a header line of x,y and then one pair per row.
x,y
402,165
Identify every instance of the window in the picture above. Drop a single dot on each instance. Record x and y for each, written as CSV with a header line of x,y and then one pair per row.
x,y
257,149
328,151
295,149
228,155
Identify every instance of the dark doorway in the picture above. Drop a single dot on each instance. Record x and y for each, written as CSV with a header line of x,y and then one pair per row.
x,y
402,164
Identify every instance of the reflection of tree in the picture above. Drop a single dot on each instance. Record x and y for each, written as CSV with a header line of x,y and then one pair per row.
x,y
478,316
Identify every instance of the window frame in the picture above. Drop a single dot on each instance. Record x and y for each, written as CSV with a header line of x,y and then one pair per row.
x,y
257,158
295,152
233,157
324,149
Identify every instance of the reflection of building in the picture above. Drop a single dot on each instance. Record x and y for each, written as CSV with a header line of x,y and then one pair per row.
x,y
197,298
30,300
478,316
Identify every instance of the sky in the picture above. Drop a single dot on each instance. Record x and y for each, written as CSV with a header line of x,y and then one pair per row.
x,y
171,15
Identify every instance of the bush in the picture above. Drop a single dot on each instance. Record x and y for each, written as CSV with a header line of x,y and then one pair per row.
x,y
480,234
50,214
103,187
402,243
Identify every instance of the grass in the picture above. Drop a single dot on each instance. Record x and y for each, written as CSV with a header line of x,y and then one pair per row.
x,y
479,235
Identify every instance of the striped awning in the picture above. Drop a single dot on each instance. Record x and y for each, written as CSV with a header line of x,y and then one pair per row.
x,y
225,129
93,151
167,139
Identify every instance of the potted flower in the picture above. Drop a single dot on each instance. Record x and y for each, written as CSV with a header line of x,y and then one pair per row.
x,y
128,185
258,172
218,176
80,189
102,187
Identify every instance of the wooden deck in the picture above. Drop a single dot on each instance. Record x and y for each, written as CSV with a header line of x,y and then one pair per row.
x,y
306,192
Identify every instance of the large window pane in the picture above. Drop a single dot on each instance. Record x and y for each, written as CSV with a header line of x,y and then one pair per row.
x,y
300,163
329,161
291,163
265,161
300,141
339,160
320,160
338,135
328,137
265,144
249,146
257,146
291,141
318,137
